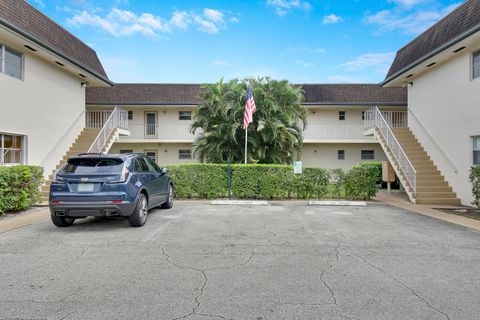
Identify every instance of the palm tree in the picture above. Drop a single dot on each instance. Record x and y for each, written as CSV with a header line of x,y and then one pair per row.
x,y
276,134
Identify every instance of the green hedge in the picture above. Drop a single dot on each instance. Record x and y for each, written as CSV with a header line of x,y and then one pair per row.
x,y
19,187
374,168
209,181
475,180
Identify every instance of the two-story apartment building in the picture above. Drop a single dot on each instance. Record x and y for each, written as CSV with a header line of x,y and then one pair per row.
x,y
160,117
57,101
44,71
441,69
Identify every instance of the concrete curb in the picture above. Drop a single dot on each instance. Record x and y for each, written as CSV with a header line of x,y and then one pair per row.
x,y
337,203
240,202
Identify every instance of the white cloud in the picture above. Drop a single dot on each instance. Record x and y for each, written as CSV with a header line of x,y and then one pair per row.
x,y
213,15
375,61
122,23
234,20
304,63
205,25
410,22
332,19
282,7
125,23
221,63
180,19
40,3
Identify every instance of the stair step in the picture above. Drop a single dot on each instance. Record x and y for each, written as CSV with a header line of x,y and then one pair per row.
x,y
441,195
430,178
421,189
431,183
439,201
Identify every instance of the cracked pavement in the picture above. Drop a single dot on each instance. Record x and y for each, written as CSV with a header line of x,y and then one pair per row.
x,y
288,261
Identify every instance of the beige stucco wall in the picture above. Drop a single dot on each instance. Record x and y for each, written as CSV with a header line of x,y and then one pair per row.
x,y
444,113
167,153
325,155
47,106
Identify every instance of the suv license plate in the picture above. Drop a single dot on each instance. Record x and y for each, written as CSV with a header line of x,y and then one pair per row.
x,y
85,187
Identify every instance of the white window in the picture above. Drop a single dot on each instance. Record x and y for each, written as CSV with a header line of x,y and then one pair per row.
x,y
476,65
11,149
185,154
368,155
341,154
10,62
124,151
476,150
341,115
184,115
152,155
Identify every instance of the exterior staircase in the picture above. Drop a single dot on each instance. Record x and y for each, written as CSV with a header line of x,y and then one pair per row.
x,y
80,145
97,137
418,174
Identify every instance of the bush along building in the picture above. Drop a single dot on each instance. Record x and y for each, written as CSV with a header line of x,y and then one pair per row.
x,y
422,118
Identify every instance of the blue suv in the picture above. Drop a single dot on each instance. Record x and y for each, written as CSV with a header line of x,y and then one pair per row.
x,y
100,185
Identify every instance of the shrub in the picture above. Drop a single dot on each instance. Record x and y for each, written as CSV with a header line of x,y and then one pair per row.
x,y
208,181
475,180
258,181
19,187
361,183
337,183
374,168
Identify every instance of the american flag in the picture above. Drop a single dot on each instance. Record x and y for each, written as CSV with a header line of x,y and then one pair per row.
x,y
249,108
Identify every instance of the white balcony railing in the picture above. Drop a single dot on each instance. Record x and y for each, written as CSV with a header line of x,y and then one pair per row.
x,y
394,119
174,132
334,132
374,118
118,119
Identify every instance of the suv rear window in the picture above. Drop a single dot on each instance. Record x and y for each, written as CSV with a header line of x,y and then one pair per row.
x,y
93,165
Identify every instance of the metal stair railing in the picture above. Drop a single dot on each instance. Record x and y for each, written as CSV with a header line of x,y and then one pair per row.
x,y
117,119
374,118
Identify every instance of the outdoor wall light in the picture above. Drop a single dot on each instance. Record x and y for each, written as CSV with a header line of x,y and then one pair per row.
x,y
83,84
410,84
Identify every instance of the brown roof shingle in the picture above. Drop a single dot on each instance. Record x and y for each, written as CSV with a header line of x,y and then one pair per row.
x,y
460,23
24,19
187,94
145,94
354,94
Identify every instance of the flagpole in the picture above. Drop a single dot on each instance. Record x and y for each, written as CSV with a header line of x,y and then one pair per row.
x,y
246,137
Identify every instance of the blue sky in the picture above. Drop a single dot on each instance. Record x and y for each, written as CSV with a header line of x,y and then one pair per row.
x,y
311,41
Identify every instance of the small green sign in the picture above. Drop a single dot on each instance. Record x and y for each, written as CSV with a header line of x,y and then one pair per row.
x,y
297,167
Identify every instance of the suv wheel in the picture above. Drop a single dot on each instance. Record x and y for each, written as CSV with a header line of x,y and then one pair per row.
x,y
62,221
139,215
169,203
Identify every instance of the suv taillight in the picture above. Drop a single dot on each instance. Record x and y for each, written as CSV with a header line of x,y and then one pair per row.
x,y
57,179
123,176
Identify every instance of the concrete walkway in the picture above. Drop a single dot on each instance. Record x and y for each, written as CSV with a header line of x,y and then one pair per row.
x,y
400,200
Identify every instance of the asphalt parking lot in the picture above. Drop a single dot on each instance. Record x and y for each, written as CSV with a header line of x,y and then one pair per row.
x,y
198,261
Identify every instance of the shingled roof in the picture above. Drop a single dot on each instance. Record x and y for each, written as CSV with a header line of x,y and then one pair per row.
x,y
187,94
145,94
27,21
354,94
456,26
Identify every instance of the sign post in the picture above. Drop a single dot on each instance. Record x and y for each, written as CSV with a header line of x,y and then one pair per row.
x,y
297,167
